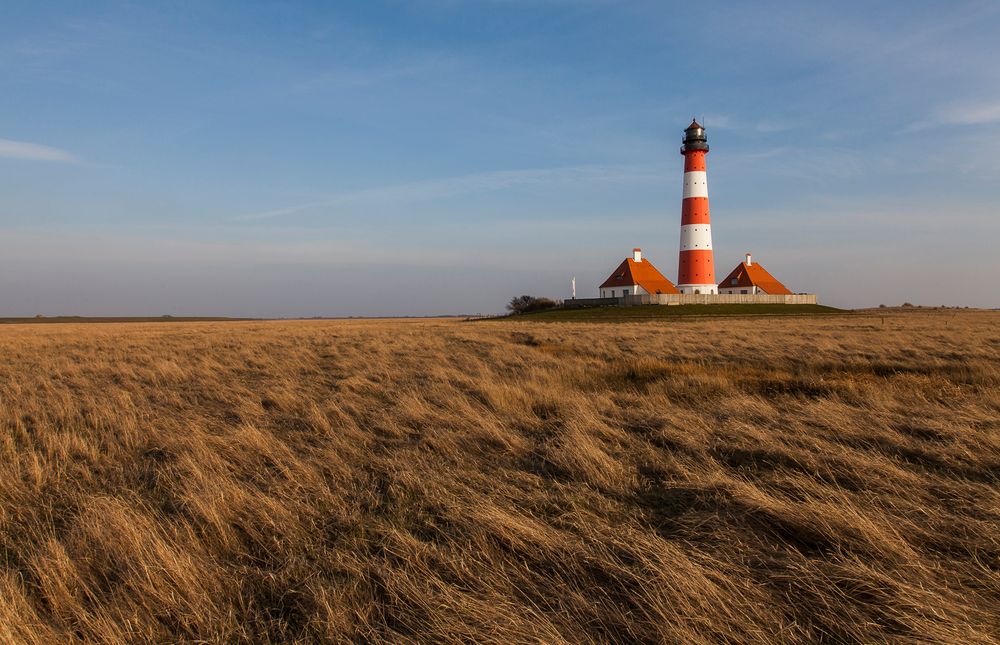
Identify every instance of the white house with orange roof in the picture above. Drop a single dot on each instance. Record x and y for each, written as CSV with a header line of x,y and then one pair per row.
x,y
750,278
636,276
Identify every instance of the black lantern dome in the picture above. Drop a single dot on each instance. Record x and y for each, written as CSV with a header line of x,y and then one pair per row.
x,y
694,138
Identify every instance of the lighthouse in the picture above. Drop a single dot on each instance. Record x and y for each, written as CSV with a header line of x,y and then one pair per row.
x,y
696,268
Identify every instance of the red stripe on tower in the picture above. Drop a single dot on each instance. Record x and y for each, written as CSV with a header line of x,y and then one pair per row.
x,y
696,268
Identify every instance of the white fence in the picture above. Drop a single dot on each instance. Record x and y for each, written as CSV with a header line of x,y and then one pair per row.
x,y
695,299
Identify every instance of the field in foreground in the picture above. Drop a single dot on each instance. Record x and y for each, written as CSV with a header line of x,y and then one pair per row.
x,y
49,320
778,479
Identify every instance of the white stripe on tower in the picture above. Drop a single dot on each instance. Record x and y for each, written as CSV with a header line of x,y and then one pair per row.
x,y
696,236
695,184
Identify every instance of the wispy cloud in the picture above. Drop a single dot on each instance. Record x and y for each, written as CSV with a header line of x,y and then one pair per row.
x,y
485,182
722,121
34,152
770,127
972,113
981,113
350,77
726,122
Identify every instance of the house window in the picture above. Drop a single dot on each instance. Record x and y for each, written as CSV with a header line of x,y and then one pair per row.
x,y
612,293
734,281
743,290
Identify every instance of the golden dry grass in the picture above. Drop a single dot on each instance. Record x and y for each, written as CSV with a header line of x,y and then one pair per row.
x,y
740,480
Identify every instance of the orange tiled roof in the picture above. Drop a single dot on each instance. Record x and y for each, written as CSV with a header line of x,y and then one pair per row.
x,y
754,275
644,274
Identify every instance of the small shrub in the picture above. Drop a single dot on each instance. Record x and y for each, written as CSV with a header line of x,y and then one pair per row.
x,y
527,304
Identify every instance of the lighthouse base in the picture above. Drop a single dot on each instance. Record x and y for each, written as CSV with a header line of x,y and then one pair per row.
x,y
699,289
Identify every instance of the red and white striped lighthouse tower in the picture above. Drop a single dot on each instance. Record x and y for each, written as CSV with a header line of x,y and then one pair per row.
x,y
696,270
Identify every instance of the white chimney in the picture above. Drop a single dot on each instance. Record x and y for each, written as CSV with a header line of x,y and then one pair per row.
x,y
749,260
637,254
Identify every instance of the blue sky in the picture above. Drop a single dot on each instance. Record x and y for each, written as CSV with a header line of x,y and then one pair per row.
x,y
441,156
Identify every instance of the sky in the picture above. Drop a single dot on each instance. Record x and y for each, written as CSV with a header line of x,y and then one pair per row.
x,y
414,157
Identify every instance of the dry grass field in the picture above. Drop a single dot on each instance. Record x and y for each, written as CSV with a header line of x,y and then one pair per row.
x,y
788,480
